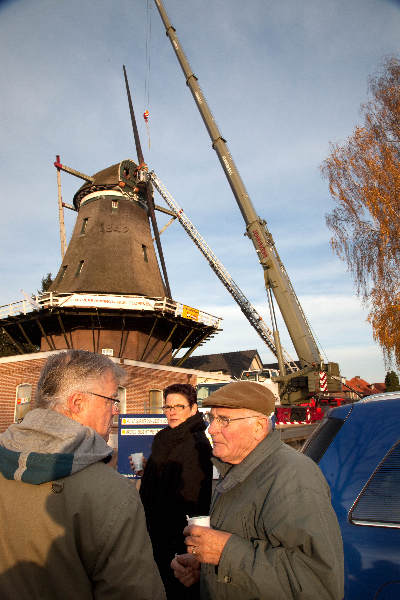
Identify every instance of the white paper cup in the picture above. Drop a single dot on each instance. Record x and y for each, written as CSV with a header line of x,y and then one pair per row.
x,y
204,521
137,459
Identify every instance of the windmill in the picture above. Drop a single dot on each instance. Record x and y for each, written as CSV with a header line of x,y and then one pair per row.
x,y
109,294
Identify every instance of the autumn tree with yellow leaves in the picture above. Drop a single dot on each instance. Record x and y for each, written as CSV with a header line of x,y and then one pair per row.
x,y
364,181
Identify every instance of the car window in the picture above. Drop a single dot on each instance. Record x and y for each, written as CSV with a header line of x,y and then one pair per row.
x,y
379,501
318,442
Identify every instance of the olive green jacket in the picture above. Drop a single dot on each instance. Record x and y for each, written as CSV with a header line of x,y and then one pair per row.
x,y
286,541
82,536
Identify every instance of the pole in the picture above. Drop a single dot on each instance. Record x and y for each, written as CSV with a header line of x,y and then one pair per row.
x,y
74,172
150,201
63,239
133,120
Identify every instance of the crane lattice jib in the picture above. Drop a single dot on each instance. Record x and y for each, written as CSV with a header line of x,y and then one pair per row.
x,y
245,306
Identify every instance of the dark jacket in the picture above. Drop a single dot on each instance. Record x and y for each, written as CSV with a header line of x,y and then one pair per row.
x,y
70,525
176,482
286,541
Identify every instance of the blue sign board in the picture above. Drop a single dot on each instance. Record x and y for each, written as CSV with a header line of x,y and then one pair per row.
x,y
135,434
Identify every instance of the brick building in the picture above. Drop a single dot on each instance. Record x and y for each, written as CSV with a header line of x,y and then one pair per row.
x,y
360,387
227,363
142,391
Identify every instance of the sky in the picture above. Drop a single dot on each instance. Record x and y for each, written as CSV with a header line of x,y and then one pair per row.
x,y
283,80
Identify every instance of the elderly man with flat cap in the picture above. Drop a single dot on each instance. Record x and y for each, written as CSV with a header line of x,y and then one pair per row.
x,y
274,534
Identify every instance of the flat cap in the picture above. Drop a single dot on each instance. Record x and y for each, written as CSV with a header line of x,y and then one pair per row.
x,y
243,394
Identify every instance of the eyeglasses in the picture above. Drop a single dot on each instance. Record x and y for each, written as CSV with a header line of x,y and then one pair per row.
x,y
115,401
177,407
224,421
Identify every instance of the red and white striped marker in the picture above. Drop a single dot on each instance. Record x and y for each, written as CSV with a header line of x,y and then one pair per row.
x,y
323,381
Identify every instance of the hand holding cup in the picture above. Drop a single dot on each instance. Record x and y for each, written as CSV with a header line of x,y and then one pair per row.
x,y
205,543
137,462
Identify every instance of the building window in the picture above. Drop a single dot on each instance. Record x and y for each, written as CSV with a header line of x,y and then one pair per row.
x,y
122,403
84,225
155,402
144,250
379,501
122,399
114,204
62,274
107,351
79,269
22,401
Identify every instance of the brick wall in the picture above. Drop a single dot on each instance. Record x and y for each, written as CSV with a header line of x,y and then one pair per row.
x,y
13,374
140,380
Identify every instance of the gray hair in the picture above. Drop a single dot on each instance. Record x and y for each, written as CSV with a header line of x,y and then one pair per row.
x,y
271,424
68,372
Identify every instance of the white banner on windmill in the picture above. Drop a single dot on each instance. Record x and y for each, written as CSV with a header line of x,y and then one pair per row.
x,y
108,301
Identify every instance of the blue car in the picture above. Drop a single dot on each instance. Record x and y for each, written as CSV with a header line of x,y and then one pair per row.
x,y
357,447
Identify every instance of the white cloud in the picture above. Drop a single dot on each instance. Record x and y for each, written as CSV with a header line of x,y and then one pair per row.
x,y
337,321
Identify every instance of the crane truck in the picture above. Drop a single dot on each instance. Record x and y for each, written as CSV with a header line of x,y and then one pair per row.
x,y
314,376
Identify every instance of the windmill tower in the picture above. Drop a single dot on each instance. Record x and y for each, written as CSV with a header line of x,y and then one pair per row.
x,y
111,249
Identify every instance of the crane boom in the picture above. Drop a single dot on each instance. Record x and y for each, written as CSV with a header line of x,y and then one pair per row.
x,y
245,305
275,275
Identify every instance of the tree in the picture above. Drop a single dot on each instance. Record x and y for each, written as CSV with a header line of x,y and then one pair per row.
x,y
364,181
392,382
46,282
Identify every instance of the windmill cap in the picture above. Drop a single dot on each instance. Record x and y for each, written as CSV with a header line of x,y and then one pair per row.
x,y
243,394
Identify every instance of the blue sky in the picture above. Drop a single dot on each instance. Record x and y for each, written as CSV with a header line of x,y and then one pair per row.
x,y
283,79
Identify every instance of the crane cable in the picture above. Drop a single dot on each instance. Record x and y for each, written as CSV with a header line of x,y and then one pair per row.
x,y
146,113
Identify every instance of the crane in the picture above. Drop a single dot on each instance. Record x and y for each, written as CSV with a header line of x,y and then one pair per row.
x,y
314,375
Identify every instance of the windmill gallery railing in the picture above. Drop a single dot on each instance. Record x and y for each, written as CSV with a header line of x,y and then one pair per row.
x,y
50,300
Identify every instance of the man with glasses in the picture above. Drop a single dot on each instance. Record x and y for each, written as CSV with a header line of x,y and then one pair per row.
x,y
274,534
176,481
71,526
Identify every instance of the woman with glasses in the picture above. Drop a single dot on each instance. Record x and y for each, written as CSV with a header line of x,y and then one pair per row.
x,y
176,481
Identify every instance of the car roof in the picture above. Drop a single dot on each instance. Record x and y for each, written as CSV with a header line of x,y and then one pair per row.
x,y
376,404
381,396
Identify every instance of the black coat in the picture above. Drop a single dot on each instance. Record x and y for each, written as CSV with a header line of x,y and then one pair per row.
x,y
176,482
